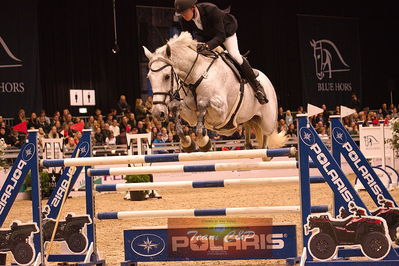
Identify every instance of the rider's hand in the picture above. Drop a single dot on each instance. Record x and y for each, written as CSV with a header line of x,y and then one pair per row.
x,y
201,47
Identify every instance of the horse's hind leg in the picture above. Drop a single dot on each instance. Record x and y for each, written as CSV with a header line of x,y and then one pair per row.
x,y
248,144
203,141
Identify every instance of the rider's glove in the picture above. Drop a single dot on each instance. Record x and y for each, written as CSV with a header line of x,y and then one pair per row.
x,y
201,47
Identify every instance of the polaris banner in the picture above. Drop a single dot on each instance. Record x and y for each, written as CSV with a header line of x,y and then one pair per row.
x,y
19,58
330,59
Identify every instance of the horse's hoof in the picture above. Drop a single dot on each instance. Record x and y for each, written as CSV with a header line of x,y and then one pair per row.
x,y
249,146
267,159
207,147
189,148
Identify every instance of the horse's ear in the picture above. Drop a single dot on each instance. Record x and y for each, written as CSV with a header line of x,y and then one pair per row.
x,y
168,51
147,53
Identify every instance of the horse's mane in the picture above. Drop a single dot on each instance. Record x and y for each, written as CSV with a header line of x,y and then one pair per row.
x,y
179,41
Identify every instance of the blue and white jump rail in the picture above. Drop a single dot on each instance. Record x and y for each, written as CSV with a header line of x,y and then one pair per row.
x,y
207,212
224,183
217,167
178,157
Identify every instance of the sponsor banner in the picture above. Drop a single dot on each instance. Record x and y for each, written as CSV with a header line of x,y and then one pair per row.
x,y
19,58
212,239
330,58
371,141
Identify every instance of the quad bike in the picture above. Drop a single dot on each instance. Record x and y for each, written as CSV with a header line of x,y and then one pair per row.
x,y
69,230
16,239
356,229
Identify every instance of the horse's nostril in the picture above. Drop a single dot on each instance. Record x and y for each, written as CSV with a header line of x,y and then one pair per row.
x,y
162,114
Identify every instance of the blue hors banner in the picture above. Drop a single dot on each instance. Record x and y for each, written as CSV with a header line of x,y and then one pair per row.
x,y
19,58
330,59
270,242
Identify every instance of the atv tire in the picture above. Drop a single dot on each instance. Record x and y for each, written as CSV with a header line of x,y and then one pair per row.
x,y
392,231
23,253
76,242
322,246
375,245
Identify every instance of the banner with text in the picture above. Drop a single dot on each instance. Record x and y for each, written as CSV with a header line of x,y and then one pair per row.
x,y
330,58
19,58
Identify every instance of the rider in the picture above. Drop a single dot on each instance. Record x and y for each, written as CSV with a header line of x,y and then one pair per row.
x,y
214,27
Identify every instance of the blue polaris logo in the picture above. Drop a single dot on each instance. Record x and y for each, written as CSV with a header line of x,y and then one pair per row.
x,y
307,136
148,245
339,135
28,152
84,149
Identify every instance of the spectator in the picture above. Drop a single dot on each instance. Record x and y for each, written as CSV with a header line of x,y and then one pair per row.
x,y
98,137
115,128
124,126
65,113
123,106
32,122
43,113
282,127
280,114
41,135
110,140
164,134
132,120
97,112
395,113
71,145
139,110
15,139
323,133
41,121
154,133
326,114
289,119
105,130
291,130
77,137
6,137
140,127
385,111
159,142
20,117
53,134
148,104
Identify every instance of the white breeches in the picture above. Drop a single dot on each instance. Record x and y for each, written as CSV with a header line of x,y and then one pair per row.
x,y
231,44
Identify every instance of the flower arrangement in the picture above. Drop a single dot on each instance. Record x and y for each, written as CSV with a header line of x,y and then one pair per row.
x,y
395,136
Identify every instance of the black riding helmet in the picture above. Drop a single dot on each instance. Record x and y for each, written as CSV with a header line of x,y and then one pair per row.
x,y
183,5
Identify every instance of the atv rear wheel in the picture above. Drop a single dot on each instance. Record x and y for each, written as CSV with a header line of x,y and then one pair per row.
x,y
322,246
23,253
76,242
392,231
375,245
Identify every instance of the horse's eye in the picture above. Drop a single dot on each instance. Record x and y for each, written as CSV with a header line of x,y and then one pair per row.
x,y
167,77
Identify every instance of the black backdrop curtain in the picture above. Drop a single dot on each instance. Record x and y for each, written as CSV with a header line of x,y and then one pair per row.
x,y
76,38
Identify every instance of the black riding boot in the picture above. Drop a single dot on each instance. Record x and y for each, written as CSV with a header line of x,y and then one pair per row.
x,y
255,84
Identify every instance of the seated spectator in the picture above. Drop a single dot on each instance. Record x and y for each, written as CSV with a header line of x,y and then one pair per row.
x,y
282,126
43,113
115,128
124,127
97,113
32,122
280,114
131,120
6,137
289,119
355,103
71,145
148,104
20,117
105,130
159,142
141,128
164,133
41,135
99,139
292,130
53,134
123,106
78,135
154,132
43,124
139,110
110,140
90,123
15,139
323,133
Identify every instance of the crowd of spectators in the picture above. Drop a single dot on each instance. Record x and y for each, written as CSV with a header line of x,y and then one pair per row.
x,y
111,128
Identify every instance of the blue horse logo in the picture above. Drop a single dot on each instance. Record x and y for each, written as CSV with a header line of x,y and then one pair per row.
x,y
4,48
323,56
369,140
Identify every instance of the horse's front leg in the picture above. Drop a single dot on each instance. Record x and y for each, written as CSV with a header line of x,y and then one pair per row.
x,y
185,141
203,141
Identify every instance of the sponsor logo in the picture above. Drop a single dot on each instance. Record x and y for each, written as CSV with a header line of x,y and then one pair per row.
x,y
148,245
10,55
28,152
84,149
308,138
339,135
370,140
16,175
325,52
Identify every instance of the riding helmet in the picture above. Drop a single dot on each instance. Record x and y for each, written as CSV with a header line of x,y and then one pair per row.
x,y
183,5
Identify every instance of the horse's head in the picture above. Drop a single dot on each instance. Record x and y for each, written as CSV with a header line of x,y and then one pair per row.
x,y
318,57
166,64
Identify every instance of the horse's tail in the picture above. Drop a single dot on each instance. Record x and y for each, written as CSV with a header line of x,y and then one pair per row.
x,y
276,140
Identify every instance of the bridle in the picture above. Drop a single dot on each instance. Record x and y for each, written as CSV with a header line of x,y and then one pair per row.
x,y
174,95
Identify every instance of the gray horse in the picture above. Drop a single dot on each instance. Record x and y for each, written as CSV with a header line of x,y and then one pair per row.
x,y
216,100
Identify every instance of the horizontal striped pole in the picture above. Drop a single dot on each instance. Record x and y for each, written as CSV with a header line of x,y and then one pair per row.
x,y
171,157
206,212
194,168
226,183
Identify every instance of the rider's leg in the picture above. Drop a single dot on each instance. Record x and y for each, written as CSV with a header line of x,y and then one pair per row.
x,y
231,44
